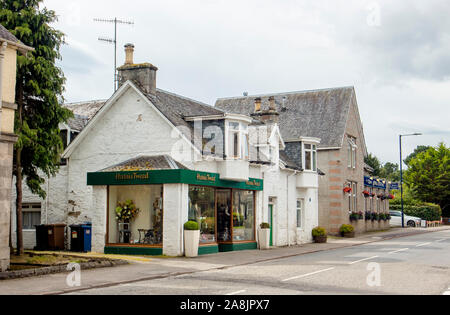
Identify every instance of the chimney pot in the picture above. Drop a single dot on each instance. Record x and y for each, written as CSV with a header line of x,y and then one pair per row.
x,y
129,52
257,104
272,105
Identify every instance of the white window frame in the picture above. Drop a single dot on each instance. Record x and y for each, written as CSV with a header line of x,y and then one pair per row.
x,y
351,152
242,138
313,152
31,208
300,212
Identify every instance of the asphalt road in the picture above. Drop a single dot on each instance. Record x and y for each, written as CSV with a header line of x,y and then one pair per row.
x,y
416,265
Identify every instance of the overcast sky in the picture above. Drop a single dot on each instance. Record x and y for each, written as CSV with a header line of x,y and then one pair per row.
x,y
395,54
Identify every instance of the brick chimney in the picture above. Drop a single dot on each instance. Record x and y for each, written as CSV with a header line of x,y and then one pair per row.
x,y
143,74
268,116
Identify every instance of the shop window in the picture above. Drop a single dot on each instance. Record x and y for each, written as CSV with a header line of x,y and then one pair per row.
x,y
243,216
31,216
202,210
310,154
145,227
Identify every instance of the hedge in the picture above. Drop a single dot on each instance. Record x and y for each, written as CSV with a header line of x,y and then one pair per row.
x,y
428,211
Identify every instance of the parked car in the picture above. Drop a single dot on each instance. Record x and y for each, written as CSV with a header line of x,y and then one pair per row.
x,y
396,219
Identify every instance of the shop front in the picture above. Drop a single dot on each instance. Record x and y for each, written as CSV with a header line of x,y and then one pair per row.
x,y
145,207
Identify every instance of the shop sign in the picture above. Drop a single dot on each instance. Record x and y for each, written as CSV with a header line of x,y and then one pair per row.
x,y
169,177
374,182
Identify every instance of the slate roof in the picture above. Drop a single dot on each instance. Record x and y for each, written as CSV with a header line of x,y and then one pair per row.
x,y
146,163
317,113
288,162
78,122
5,34
86,109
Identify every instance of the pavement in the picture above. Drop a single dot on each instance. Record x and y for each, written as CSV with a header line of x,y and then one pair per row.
x,y
222,273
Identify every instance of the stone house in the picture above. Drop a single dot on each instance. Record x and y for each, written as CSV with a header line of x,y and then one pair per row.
x,y
177,159
332,116
9,46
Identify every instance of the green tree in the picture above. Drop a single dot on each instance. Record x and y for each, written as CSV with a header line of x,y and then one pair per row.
x,y
374,163
390,171
39,89
428,176
419,149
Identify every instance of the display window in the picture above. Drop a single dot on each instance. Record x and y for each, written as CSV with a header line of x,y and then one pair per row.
x,y
135,215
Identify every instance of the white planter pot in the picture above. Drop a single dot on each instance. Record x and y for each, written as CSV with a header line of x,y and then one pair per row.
x,y
191,241
264,238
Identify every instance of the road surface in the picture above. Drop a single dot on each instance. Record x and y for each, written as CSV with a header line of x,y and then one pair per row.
x,y
418,264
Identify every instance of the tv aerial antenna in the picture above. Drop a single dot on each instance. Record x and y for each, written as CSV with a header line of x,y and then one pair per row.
x,y
113,41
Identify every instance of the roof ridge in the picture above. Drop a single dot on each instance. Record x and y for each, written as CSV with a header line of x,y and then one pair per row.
x,y
85,102
288,93
189,99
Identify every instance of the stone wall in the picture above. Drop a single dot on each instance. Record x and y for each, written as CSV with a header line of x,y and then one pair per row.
x,y
6,155
333,202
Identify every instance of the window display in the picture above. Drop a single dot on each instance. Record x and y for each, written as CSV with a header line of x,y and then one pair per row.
x,y
202,210
243,216
136,215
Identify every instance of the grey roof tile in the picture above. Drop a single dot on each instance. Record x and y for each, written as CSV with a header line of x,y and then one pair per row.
x,y
318,113
146,163
5,34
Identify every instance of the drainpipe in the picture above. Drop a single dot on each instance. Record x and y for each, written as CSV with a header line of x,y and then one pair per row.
x,y
2,57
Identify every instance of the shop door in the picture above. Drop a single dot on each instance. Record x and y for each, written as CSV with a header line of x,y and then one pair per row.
x,y
271,224
224,217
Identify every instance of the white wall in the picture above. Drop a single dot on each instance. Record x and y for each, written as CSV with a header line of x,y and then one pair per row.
x,y
175,215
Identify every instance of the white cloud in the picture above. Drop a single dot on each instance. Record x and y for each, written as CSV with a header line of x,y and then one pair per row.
x,y
207,49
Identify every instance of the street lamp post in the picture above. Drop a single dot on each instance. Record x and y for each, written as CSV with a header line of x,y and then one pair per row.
x,y
401,174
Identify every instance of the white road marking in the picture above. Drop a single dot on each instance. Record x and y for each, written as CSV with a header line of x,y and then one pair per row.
x,y
398,251
424,244
446,292
308,274
237,292
361,260
438,241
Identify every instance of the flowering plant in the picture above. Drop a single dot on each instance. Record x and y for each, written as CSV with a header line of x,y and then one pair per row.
x,y
355,216
126,211
347,190
366,193
391,197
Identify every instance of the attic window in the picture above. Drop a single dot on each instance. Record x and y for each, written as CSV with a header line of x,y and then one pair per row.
x,y
237,141
310,154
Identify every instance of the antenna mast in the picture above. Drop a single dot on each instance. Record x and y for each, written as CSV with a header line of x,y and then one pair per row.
x,y
115,21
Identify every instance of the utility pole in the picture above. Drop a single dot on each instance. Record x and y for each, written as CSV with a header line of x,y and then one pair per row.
x,y
113,41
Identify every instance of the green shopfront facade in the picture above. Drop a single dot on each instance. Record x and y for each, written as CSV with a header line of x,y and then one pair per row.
x,y
225,210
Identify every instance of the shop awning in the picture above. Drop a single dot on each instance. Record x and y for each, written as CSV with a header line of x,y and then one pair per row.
x,y
163,170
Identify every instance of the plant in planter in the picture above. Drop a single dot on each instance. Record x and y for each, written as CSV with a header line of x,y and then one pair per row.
x,y
388,217
347,231
319,235
355,216
264,236
347,190
391,197
368,215
375,216
366,193
191,238
382,217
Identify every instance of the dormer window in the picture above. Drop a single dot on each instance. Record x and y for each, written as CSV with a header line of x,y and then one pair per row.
x,y
237,141
310,157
